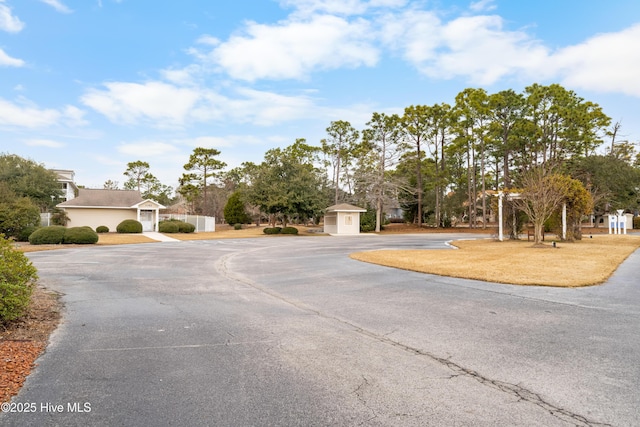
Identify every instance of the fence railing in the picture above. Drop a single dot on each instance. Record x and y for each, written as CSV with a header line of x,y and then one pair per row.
x,y
202,223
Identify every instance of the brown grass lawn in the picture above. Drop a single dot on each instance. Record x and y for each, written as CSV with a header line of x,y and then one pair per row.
x,y
584,263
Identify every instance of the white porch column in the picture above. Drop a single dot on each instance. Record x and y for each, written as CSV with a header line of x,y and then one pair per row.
x,y
500,215
564,221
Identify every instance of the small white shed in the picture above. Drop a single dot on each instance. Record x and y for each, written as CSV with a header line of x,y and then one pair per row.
x,y
342,219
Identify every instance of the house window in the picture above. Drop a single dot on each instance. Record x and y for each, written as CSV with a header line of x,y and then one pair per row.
x,y
348,220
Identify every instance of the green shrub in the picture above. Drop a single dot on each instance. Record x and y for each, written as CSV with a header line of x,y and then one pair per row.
x,y
52,235
272,230
59,217
102,229
24,234
636,222
368,221
289,230
18,215
237,227
80,236
129,226
186,227
168,227
234,212
17,280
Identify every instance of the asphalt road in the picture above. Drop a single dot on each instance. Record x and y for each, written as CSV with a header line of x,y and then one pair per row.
x,y
287,331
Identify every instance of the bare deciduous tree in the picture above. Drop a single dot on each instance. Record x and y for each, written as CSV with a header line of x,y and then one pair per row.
x,y
544,191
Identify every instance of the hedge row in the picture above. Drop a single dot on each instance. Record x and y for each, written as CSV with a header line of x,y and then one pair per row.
x,y
280,230
174,226
57,234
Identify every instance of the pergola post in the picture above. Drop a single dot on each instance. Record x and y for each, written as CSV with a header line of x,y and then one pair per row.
x,y
500,217
564,221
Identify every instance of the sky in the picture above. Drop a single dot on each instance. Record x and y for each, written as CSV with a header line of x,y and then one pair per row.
x,y
91,85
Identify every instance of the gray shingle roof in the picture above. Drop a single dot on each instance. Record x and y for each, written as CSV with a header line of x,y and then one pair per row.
x,y
104,198
345,207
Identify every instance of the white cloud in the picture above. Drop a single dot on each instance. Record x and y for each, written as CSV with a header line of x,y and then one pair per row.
x,y
129,103
246,105
73,116
8,22
268,108
208,40
479,48
338,7
294,49
57,5
163,104
414,33
474,47
482,5
27,116
44,143
606,62
7,61
186,76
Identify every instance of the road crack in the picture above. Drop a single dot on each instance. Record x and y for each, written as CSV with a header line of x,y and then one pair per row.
x,y
523,394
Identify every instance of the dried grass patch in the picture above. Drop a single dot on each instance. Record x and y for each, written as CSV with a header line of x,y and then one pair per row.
x,y
123,239
584,263
228,232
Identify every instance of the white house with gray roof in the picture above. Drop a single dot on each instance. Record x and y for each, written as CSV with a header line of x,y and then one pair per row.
x,y
94,208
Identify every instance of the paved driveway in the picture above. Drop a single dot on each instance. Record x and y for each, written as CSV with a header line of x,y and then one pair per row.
x,y
290,331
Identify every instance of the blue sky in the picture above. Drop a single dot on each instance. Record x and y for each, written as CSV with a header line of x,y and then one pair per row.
x,y
91,85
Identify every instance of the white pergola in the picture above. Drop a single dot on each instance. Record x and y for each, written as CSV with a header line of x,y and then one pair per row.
x,y
516,196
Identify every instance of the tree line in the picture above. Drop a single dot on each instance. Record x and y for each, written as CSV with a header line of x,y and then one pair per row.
x,y
438,163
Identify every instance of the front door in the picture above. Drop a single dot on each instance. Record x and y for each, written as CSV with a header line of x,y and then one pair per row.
x,y
147,221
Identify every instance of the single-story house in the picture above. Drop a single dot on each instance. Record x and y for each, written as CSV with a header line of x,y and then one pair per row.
x,y
110,207
342,219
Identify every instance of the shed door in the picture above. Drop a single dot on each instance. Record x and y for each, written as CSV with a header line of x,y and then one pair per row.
x,y
146,218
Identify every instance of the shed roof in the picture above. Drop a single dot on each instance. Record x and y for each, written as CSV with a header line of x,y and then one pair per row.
x,y
345,207
104,198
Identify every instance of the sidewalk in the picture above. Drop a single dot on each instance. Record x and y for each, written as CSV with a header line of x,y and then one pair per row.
x,y
159,237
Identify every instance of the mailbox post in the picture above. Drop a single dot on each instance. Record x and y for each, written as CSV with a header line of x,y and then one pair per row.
x,y
622,222
618,223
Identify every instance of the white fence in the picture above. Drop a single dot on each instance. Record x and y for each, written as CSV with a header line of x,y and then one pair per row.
x,y
45,219
202,223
